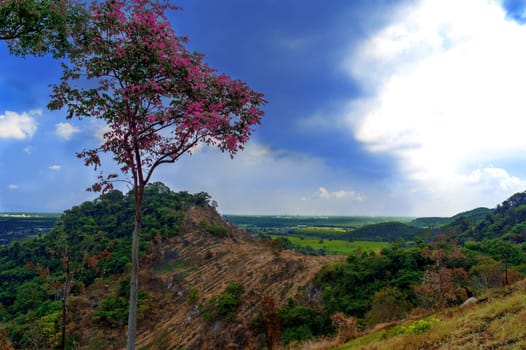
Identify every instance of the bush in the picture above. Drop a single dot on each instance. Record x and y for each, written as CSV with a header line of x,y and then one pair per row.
x,y
389,304
297,334
193,296
224,305
302,323
216,230
113,310
419,326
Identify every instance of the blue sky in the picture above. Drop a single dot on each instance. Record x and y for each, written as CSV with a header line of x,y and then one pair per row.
x,y
375,108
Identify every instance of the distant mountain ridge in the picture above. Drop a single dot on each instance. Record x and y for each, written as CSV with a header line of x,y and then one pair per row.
x,y
476,215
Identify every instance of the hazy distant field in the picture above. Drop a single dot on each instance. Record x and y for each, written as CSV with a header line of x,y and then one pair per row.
x,y
278,221
333,234
15,226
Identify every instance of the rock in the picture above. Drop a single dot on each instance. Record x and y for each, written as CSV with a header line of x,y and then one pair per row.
x,y
469,302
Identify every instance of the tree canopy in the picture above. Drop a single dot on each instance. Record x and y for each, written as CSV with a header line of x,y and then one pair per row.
x,y
36,27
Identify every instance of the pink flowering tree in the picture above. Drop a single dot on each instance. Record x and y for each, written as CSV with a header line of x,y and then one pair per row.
x,y
159,101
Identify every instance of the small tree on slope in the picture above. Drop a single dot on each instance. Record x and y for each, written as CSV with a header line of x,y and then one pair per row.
x,y
159,101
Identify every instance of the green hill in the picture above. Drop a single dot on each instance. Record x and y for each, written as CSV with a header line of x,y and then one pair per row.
x,y
507,221
474,215
384,232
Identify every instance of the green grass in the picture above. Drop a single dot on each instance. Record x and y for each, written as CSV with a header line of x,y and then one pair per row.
x,y
337,246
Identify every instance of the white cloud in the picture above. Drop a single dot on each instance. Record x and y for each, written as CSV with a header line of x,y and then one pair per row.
x,y
28,149
446,82
66,130
18,125
55,167
12,187
325,194
99,128
262,180
495,178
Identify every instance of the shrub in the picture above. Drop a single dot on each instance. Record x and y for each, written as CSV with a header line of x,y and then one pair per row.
x,y
302,323
224,305
113,310
193,296
419,326
216,230
389,304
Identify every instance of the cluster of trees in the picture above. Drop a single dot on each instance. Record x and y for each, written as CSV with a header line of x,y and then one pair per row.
x,y
38,276
383,286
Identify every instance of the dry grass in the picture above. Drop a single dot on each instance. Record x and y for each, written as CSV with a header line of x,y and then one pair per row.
x,y
498,324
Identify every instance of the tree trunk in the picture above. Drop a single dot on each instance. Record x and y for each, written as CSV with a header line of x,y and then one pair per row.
x,y
64,306
506,282
134,280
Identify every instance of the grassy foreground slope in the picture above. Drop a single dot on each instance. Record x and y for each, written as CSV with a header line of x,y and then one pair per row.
x,y
496,324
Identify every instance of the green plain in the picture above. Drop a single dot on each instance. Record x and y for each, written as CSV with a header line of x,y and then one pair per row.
x,y
336,247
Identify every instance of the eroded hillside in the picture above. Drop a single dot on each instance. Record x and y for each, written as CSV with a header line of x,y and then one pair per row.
x,y
200,262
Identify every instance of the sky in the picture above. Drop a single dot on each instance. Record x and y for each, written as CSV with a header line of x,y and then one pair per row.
x,y
375,107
